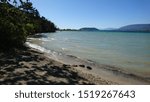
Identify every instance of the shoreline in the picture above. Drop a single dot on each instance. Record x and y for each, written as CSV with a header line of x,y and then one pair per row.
x,y
104,71
32,67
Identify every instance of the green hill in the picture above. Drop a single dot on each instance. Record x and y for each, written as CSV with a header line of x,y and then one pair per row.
x,y
88,29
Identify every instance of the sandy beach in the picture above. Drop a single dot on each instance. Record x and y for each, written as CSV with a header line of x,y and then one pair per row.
x,y
31,67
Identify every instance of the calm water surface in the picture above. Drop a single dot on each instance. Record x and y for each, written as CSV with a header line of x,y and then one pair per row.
x,y
127,50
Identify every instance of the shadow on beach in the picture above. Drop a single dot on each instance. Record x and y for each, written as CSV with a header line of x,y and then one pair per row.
x,y
29,67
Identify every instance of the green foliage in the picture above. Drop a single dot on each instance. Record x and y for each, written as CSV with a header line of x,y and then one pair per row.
x,y
30,28
17,23
12,30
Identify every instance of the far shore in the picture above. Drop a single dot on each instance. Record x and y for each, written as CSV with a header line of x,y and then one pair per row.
x,y
29,66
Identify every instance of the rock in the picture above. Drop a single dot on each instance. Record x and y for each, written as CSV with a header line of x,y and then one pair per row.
x,y
72,56
88,67
74,65
82,66
66,66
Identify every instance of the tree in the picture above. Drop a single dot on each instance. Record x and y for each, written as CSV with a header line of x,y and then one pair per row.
x,y
16,24
26,6
3,1
12,29
15,3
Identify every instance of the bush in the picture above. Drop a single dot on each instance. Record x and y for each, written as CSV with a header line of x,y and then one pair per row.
x,y
30,28
12,29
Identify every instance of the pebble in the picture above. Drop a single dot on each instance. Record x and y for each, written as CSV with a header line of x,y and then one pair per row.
x,y
82,66
74,65
65,65
88,67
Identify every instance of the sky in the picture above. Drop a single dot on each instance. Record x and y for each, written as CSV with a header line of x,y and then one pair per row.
x,y
75,14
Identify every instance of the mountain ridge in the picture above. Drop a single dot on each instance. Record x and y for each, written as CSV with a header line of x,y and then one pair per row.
x,y
136,27
131,27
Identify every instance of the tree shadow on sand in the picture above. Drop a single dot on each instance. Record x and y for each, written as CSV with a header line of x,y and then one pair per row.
x,y
14,72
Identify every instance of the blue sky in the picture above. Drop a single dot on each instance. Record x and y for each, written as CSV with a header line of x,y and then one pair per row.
x,y
94,13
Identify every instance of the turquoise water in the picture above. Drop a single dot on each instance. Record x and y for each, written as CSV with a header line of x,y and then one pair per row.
x,y
127,50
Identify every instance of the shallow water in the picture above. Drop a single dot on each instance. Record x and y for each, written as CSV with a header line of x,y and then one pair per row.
x,y
126,50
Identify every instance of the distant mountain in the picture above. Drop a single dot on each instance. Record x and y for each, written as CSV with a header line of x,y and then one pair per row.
x,y
132,28
109,29
88,29
136,27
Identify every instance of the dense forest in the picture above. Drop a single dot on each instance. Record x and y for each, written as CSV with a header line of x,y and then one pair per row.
x,y
18,19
